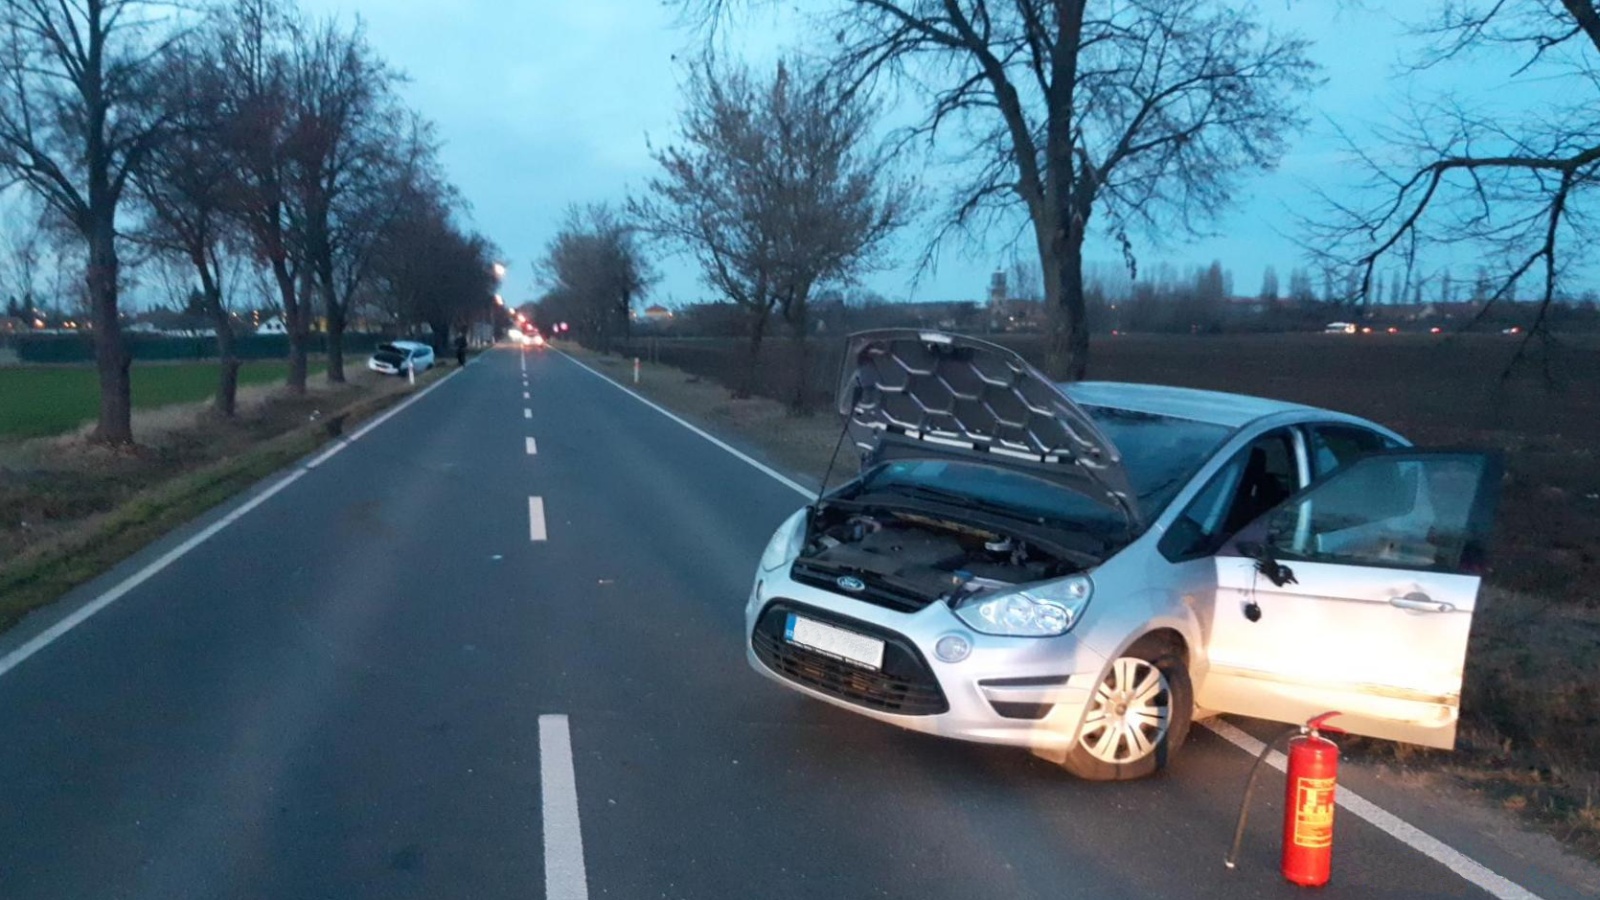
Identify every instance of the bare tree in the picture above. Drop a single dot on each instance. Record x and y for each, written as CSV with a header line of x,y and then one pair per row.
x,y
1024,280
1269,284
1147,111
347,138
76,122
596,270
24,250
435,272
184,193
1513,187
1300,290
252,40
776,188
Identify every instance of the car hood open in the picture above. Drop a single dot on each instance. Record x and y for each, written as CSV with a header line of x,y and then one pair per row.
x,y
911,392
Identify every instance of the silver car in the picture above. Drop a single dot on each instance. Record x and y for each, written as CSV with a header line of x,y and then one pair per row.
x,y
1083,569
398,357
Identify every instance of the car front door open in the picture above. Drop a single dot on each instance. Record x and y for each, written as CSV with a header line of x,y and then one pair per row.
x,y
1356,595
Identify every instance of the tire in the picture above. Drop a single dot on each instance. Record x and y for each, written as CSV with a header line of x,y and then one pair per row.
x,y
1109,748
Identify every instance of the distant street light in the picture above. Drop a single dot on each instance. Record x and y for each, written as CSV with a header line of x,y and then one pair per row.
x,y
499,271
499,300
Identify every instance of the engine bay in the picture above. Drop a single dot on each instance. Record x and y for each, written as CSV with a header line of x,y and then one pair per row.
x,y
921,559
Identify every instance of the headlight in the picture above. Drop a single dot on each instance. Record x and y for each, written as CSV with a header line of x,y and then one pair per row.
x,y
1039,610
786,542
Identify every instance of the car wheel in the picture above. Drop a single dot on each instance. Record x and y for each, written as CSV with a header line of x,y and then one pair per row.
x,y
1138,717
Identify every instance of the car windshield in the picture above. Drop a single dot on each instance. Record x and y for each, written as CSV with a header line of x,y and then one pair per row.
x,y
1160,453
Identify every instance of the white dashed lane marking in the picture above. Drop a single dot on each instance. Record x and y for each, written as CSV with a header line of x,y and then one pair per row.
x,y
536,531
564,875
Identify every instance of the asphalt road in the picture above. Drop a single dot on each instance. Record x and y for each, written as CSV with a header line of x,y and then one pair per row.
x,y
341,695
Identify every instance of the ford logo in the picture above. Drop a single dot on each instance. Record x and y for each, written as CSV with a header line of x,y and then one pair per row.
x,y
851,583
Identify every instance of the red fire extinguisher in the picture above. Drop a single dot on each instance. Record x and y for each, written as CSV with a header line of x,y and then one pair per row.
x,y
1308,805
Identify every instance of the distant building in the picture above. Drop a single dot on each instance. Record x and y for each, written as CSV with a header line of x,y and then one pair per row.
x,y
657,313
170,323
997,292
273,325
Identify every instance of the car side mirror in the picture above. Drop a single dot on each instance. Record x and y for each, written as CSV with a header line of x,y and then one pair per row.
x,y
1266,562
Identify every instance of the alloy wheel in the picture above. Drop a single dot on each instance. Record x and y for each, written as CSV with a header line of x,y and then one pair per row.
x,y
1130,712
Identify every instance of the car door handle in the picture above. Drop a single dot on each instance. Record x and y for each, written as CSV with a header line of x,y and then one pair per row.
x,y
1421,603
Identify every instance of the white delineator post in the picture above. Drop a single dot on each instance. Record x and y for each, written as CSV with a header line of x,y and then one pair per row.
x,y
411,372
636,370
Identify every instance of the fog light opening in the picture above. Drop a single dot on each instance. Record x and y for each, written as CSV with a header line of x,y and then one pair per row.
x,y
953,648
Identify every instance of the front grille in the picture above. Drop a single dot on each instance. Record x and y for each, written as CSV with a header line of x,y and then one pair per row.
x,y
875,593
904,686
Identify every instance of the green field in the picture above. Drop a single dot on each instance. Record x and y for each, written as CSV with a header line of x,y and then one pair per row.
x,y
36,401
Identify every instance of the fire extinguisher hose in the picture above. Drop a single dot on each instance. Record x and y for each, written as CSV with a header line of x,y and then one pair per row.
x,y
1249,786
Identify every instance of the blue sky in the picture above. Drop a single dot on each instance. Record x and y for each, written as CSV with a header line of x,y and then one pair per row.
x,y
542,104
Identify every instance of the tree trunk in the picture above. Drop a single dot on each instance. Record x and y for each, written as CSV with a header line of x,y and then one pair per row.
x,y
1064,201
747,379
336,323
112,358
799,395
226,401
1067,347
293,323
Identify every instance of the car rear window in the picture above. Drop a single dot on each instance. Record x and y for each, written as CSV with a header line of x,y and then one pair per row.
x,y
1160,453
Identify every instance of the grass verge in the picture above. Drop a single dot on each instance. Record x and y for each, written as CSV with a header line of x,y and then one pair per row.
x,y
47,400
94,508
1529,739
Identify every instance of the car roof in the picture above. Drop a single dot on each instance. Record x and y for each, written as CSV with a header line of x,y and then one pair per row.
x,y
417,345
1215,407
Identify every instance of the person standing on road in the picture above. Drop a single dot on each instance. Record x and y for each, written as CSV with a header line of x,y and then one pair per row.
x,y
461,349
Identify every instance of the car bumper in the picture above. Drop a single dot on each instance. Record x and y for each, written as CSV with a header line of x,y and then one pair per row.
x,y
1022,692
382,368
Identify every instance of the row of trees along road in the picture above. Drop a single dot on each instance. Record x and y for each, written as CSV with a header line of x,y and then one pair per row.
x,y
774,185
1140,117
240,129
1141,114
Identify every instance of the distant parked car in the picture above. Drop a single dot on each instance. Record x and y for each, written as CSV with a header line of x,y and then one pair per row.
x,y
393,358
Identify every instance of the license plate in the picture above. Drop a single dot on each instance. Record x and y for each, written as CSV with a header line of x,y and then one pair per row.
x,y
835,642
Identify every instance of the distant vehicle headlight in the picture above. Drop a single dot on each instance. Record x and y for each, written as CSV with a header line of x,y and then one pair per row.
x,y
786,542
1039,610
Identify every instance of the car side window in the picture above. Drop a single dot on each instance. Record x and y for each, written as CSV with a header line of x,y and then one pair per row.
x,y
1260,477
1421,512
1197,531
1336,446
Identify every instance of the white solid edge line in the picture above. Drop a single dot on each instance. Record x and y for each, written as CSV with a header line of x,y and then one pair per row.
x,y
533,448
564,875
788,482
78,616
536,530
1474,872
